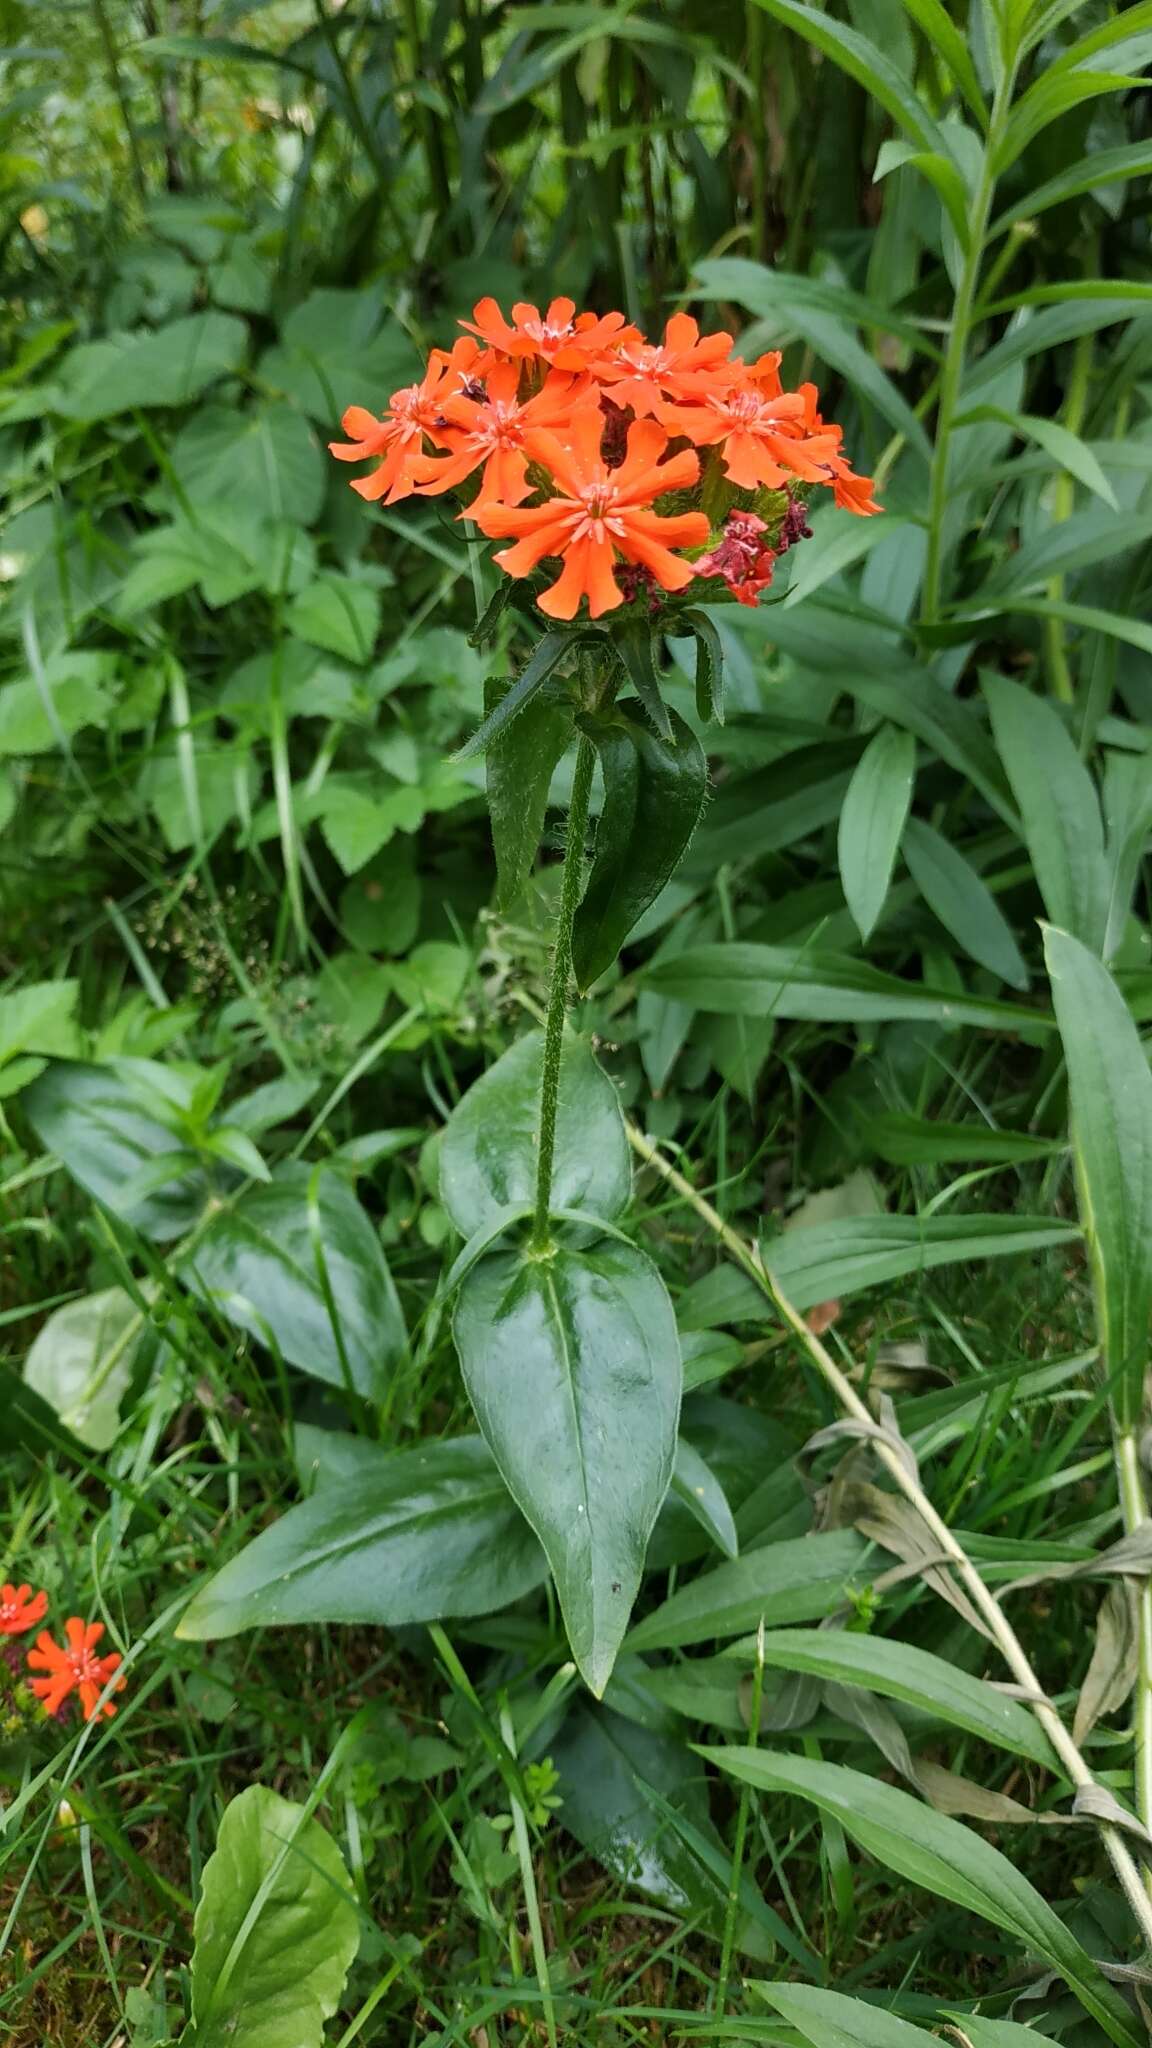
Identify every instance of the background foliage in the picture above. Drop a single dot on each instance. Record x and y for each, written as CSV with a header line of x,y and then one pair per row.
x,y
251,942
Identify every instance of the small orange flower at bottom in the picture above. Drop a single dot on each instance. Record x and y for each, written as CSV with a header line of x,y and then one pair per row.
x,y
20,1609
600,515
74,1668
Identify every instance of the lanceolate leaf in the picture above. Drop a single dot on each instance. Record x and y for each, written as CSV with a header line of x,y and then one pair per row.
x,y
404,1536
298,1264
963,902
520,762
572,1363
900,1671
743,980
872,821
1059,807
488,1153
695,1483
802,1579
100,1124
654,791
945,1857
1110,1087
276,1928
822,1261
829,2019
549,651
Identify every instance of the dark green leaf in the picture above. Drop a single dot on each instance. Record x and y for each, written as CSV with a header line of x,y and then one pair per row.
x,y
1059,806
489,1150
822,1261
572,1364
101,1125
872,821
550,650
798,982
709,666
945,1857
799,1580
298,1264
637,654
963,902
829,2019
695,1483
396,1537
520,763
654,792
1110,1087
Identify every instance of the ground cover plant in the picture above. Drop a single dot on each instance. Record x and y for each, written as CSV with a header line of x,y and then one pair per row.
x,y
577,1142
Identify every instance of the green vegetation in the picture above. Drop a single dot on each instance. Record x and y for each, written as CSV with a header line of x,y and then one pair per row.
x,y
855,1097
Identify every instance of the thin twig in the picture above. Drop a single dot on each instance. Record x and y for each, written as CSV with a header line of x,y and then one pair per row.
x,y
989,1609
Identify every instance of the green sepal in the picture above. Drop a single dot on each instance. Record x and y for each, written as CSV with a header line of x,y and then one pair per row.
x,y
484,631
654,791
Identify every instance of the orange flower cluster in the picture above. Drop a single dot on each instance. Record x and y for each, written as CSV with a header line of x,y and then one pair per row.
x,y
71,1666
586,438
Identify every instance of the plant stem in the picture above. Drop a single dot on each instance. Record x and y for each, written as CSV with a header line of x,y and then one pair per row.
x,y
1134,1505
1064,499
991,1613
116,76
570,890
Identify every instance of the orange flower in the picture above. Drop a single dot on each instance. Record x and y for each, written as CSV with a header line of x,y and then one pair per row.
x,y
20,1609
763,430
74,1667
640,373
485,423
561,337
600,514
399,437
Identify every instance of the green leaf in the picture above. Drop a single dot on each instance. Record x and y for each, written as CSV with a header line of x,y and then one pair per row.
x,y
38,1018
276,1929
637,655
266,457
572,1364
654,792
905,1140
799,1580
101,1124
520,764
392,1538
695,1483
944,1857
1059,806
829,2019
872,820
1110,1089
797,982
1065,448
82,1361
549,650
297,1263
169,366
963,902
41,712
826,1260
331,355
824,314
618,1783
338,614
945,723
709,666
899,1671
1085,174
489,1148
949,42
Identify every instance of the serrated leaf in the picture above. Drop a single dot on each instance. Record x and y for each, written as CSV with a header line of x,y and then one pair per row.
x,y
338,614
169,365
587,1453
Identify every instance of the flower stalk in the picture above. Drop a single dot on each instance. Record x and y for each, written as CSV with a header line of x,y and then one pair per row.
x,y
571,888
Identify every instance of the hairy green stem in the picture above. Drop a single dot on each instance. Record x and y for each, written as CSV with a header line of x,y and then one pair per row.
x,y
570,890
1134,1506
988,1607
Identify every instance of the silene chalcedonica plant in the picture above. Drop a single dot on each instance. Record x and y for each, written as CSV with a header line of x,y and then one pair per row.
x,y
628,484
